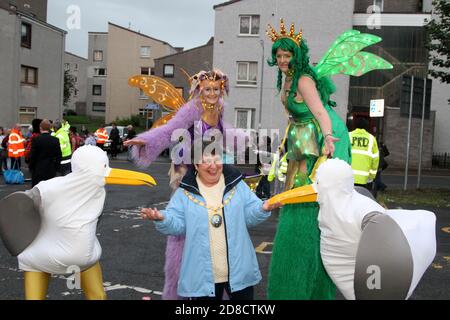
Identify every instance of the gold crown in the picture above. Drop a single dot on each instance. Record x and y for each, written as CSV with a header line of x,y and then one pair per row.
x,y
274,35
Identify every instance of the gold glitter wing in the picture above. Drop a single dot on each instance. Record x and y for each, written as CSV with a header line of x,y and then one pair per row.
x,y
161,91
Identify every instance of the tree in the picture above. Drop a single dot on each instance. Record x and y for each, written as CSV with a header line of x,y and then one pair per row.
x,y
438,43
69,86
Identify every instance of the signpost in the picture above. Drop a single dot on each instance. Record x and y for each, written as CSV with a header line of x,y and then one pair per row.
x,y
405,185
377,108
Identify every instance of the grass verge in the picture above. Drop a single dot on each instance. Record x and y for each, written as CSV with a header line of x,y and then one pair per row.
x,y
439,198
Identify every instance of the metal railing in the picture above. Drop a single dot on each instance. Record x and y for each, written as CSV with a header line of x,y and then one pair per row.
x,y
390,91
441,160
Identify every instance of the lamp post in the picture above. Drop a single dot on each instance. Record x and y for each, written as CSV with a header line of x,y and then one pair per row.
x,y
261,42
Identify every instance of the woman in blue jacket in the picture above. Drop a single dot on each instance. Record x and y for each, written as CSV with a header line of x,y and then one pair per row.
x,y
213,208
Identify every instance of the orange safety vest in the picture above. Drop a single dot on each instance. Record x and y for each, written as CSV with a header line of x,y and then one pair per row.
x,y
102,135
16,148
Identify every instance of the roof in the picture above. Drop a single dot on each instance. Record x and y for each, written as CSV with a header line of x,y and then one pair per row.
x,y
141,34
225,4
72,54
209,43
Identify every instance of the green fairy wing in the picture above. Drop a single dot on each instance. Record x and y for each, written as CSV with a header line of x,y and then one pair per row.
x,y
345,56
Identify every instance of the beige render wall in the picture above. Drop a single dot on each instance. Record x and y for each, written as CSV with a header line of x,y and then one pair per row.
x,y
124,61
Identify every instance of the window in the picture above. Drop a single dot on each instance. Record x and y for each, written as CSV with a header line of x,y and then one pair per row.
x,y
146,113
142,95
75,66
75,92
27,114
98,55
97,90
98,106
144,70
29,75
249,25
75,79
66,66
247,73
145,52
152,71
25,40
100,72
168,70
244,118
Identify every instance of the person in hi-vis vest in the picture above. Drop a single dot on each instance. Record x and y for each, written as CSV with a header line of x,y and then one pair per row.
x,y
62,133
16,147
101,135
365,155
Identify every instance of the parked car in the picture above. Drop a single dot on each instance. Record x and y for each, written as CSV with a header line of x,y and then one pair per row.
x,y
123,132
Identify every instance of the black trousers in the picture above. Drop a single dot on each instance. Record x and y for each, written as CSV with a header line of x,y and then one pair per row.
x,y
114,147
244,294
16,163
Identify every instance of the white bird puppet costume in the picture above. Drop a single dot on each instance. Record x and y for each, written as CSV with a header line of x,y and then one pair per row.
x,y
61,233
368,251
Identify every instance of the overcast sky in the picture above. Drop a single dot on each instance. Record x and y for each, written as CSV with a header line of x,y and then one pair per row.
x,y
181,23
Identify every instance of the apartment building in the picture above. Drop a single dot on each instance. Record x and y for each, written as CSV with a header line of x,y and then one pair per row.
x,y
242,49
76,66
114,57
96,74
31,62
129,53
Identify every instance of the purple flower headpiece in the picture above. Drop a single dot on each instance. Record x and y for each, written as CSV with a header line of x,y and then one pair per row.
x,y
213,75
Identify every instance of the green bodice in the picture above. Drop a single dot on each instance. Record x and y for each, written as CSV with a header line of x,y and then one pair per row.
x,y
304,135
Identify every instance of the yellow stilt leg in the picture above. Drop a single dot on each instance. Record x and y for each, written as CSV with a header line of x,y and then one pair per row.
x,y
92,283
36,285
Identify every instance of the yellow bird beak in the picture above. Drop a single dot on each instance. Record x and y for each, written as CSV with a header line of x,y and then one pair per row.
x,y
128,177
298,195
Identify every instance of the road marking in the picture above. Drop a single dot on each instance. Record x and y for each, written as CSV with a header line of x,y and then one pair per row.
x,y
137,289
136,212
107,285
262,246
436,266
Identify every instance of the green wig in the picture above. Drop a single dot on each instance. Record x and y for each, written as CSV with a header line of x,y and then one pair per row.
x,y
300,63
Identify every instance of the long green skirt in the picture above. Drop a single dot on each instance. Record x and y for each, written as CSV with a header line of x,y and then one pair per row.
x,y
296,270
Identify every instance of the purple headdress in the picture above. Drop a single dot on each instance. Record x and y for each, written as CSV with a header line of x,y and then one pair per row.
x,y
213,75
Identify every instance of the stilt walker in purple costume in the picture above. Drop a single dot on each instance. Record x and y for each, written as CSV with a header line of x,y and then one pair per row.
x,y
203,111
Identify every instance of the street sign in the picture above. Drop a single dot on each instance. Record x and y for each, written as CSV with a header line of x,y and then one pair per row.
x,y
377,108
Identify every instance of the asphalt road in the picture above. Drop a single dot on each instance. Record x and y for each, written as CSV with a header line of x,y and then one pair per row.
x,y
133,251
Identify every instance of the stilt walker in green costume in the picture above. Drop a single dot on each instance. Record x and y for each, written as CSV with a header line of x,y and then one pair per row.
x,y
315,132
